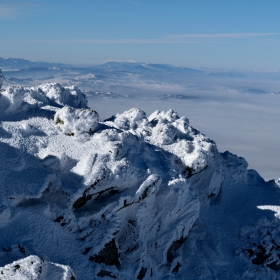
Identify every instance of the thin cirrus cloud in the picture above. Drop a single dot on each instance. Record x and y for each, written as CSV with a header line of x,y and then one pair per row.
x,y
222,35
171,39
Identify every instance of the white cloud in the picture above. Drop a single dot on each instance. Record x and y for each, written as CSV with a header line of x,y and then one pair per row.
x,y
221,35
183,38
170,39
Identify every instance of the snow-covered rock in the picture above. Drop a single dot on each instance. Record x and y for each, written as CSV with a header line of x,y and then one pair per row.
x,y
73,122
33,267
17,99
70,96
143,197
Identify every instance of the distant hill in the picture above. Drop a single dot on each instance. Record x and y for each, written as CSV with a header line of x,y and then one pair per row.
x,y
19,63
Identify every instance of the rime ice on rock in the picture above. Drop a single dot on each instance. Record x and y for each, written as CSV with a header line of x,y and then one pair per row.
x,y
33,267
73,122
70,96
18,99
131,120
172,133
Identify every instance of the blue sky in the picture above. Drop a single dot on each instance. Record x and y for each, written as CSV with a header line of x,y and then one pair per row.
x,y
211,34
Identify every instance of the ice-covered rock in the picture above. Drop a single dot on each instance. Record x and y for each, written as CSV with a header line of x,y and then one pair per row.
x,y
193,152
73,122
18,99
131,120
33,267
71,96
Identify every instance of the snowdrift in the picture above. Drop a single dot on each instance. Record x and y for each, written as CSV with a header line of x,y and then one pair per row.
x,y
133,197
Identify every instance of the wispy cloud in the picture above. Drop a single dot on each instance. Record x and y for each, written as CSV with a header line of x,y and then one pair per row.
x,y
222,35
12,10
171,39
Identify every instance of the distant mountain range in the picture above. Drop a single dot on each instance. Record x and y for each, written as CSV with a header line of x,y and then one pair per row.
x,y
8,64
19,63
135,78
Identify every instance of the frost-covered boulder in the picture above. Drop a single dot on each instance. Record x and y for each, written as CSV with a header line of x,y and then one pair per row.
x,y
71,96
33,267
132,120
166,126
73,122
18,99
1,78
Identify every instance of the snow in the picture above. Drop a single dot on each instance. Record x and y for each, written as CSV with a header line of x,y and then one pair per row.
x,y
17,99
73,122
274,208
148,187
132,197
71,96
33,267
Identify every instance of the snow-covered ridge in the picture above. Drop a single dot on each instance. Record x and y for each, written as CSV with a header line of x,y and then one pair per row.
x,y
17,99
133,197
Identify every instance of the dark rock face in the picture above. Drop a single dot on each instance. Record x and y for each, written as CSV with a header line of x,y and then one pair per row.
x,y
174,247
104,273
142,273
262,245
109,255
176,268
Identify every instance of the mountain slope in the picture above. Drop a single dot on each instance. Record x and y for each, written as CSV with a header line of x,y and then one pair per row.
x,y
133,197
1,78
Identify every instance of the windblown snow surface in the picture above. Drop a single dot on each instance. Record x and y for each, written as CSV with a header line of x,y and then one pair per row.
x,y
133,197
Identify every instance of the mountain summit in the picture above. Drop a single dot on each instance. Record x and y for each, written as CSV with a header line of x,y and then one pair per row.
x,y
132,197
